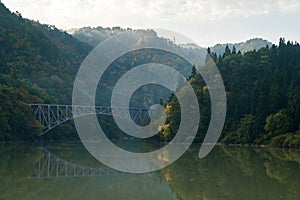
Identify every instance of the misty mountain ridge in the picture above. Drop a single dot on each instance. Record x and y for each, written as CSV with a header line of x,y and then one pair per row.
x,y
93,36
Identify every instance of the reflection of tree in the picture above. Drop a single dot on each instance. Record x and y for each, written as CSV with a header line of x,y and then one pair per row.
x,y
236,173
17,162
281,164
241,157
275,171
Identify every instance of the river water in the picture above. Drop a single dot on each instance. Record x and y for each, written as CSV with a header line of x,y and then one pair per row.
x,y
68,171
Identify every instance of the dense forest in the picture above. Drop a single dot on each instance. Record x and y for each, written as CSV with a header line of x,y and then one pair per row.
x,y
263,95
38,63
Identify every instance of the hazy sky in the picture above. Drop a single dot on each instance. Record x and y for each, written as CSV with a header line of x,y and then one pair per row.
x,y
207,22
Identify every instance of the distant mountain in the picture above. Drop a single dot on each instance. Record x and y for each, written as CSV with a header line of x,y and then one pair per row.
x,y
243,47
93,36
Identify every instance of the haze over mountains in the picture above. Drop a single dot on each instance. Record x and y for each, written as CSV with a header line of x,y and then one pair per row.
x,y
93,36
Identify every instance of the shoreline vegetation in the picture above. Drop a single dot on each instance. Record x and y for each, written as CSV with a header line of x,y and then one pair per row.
x,y
38,63
77,142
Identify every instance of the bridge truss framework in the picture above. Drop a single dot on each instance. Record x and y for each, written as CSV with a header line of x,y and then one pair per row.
x,y
52,115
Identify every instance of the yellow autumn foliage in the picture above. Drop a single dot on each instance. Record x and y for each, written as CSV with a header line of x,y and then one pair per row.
x,y
168,108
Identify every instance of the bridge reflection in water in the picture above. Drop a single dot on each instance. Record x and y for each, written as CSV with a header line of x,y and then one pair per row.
x,y
51,166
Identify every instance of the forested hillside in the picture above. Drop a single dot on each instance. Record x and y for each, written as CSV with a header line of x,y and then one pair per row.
x,y
263,94
38,64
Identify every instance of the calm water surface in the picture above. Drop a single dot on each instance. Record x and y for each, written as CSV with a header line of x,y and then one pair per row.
x,y
68,171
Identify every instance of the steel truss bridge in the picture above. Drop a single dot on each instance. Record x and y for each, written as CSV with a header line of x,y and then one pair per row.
x,y
52,115
51,166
